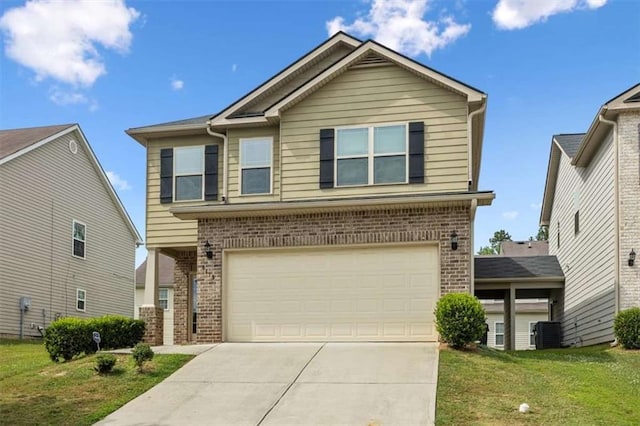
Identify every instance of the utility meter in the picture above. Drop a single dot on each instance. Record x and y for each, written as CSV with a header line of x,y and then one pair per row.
x,y
25,303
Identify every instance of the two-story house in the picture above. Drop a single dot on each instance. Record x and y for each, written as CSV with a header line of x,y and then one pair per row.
x,y
592,209
335,202
67,245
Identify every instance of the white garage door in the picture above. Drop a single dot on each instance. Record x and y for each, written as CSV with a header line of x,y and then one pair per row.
x,y
386,293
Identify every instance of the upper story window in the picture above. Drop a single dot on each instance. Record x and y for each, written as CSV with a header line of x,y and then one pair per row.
x,y
371,155
189,173
255,165
79,235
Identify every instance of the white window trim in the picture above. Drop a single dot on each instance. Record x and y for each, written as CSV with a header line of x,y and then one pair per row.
x,y
73,239
176,175
531,334
78,290
241,168
160,298
495,333
371,155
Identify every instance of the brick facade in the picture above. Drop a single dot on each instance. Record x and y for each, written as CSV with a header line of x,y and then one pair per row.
x,y
629,187
153,317
185,265
319,229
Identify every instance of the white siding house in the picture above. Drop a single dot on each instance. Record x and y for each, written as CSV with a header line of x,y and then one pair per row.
x,y
67,245
592,212
528,313
166,293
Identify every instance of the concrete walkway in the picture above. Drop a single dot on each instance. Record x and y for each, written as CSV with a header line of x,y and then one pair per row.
x,y
294,384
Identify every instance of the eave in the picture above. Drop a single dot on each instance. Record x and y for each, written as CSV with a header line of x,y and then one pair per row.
x,y
222,210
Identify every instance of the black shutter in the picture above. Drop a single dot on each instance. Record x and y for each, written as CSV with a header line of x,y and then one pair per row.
x,y
211,172
326,158
416,152
166,175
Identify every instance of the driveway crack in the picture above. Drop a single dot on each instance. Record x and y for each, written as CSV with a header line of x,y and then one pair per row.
x,y
289,386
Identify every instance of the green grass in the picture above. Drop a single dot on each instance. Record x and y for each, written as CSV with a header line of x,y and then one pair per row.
x,y
578,386
34,390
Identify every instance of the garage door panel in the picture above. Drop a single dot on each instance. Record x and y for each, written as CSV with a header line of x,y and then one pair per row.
x,y
331,294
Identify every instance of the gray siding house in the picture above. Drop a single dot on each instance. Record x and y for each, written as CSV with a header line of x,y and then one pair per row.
x,y
67,245
591,207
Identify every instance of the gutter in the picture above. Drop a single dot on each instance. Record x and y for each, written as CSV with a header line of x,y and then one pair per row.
x,y
616,206
470,139
225,160
472,263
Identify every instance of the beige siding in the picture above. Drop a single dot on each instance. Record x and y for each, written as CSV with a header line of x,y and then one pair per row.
x,y
234,136
365,96
42,192
163,229
168,313
522,328
588,258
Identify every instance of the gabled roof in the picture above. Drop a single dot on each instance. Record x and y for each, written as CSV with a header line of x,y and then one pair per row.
x,y
15,140
517,268
166,265
29,139
581,147
569,142
524,248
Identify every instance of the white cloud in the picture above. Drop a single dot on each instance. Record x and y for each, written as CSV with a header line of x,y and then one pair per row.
x,y
60,39
400,25
234,67
511,215
119,183
177,84
66,97
517,14
536,206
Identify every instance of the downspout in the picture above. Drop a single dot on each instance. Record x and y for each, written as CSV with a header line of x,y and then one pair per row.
x,y
470,139
225,160
472,266
616,213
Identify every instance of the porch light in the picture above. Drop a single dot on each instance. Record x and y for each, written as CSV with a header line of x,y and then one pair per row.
x,y
632,257
454,241
207,250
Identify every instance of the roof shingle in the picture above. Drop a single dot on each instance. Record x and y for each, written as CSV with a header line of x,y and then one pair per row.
x,y
570,142
498,267
14,140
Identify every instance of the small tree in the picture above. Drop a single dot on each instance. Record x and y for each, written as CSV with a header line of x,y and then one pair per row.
x,y
141,353
460,319
105,363
495,241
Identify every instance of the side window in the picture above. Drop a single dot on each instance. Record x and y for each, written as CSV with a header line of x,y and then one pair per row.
x,y
255,166
189,173
164,298
79,235
532,337
558,231
499,333
81,300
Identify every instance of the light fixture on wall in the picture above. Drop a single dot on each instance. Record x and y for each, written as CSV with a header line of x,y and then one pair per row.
x,y
207,250
454,241
632,257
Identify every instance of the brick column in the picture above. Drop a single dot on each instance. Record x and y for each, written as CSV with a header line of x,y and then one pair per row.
x,y
154,318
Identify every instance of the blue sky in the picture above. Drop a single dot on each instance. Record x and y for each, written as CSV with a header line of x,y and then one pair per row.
x,y
547,66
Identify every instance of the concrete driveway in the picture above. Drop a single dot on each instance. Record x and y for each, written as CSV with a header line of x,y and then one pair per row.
x,y
294,384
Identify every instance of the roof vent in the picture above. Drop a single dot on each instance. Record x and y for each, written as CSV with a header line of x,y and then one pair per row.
x,y
371,60
73,146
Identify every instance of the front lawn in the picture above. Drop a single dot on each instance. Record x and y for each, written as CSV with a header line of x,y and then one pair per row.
x,y
34,390
578,386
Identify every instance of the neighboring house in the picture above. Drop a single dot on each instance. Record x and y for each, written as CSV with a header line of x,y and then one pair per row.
x,y
166,267
528,313
335,202
524,248
67,245
591,207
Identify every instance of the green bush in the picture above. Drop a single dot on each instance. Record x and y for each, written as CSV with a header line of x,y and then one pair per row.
x,y
105,363
460,319
626,328
69,337
141,353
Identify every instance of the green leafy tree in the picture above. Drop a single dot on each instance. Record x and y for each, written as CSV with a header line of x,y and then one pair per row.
x,y
543,234
495,241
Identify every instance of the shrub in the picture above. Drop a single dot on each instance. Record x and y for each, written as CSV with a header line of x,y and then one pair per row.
x,y
141,353
105,363
460,319
626,328
69,337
